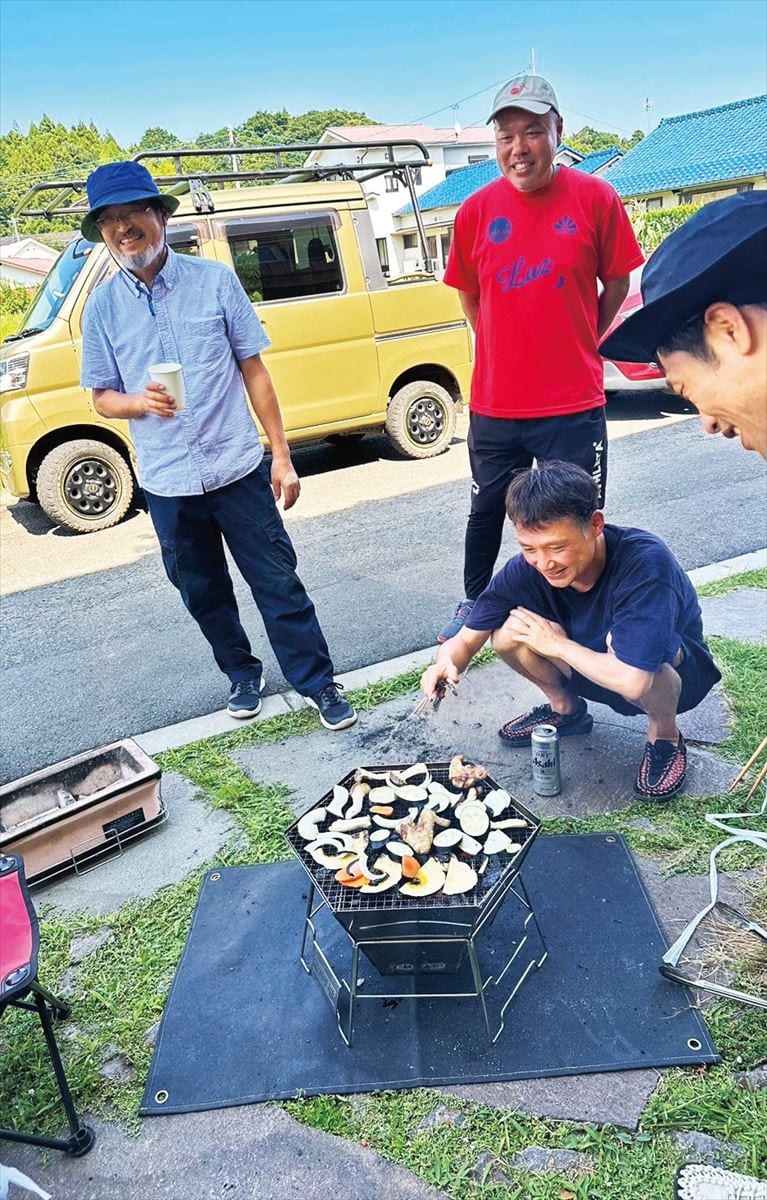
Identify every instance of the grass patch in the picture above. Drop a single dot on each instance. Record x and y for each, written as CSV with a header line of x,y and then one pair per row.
x,y
744,674
720,587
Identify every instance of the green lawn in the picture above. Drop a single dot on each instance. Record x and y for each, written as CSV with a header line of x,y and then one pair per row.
x,y
120,991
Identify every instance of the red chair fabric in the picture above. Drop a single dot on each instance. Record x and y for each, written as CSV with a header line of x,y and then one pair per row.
x,y
19,934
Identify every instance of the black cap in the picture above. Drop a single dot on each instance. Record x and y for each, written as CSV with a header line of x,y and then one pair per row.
x,y
719,254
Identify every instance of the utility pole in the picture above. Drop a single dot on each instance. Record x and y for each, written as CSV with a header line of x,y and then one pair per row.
x,y
648,103
235,160
532,60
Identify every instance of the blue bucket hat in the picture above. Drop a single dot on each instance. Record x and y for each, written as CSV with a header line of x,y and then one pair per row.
x,y
719,254
120,183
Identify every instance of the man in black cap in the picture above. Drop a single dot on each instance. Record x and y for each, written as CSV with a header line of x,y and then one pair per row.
x,y
528,252
705,317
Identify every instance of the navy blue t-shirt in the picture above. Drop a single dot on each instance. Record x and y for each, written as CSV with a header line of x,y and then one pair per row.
x,y
643,598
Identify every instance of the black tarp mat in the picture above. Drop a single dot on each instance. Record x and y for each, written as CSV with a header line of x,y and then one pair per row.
x,y
244,1022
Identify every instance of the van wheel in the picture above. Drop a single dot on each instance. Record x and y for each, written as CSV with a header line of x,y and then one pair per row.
x,y
85,485
421,419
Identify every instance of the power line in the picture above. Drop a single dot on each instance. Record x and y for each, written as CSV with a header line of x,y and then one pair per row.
x,y
455,103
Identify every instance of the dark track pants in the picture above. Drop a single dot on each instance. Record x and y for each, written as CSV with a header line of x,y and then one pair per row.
x,y
497,448
192,531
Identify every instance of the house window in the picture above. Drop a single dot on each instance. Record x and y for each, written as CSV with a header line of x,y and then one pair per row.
x,y
475,158
445,240
410,241
383,254
392,183
655,202
285,258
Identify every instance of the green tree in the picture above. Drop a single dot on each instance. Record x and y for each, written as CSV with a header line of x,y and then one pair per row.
x,y
588,139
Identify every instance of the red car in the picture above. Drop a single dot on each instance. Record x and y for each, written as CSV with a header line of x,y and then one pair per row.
x,y
632,377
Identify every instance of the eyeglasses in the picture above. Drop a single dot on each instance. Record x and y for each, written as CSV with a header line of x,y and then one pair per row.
x,y
130,214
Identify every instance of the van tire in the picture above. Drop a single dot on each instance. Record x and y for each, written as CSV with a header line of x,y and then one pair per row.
x,y
420,420
67,470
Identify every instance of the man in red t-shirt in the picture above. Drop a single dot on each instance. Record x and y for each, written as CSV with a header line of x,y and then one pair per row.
x,y
528,250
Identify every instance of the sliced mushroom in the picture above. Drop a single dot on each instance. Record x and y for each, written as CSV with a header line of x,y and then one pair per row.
x,y
460,878
350,826
497,841
510,823
358,793
470,845
497,800
308,826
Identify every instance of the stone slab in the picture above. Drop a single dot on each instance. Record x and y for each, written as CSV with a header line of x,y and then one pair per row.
x,y
258,1152
192,834
740,615
598,769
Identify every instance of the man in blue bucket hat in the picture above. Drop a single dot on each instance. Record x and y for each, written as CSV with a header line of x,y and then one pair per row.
x,y
705,316
201,464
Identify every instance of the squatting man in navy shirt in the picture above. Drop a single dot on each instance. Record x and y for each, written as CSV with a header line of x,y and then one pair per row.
x,y
589,611
201,465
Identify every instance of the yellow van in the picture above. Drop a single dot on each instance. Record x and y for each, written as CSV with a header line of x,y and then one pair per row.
x,y
351,353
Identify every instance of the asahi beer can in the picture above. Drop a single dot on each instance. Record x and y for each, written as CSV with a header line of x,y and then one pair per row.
x,y
545,745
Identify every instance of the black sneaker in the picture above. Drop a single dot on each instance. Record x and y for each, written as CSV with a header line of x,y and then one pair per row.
x,y
457,621
335,710
662,769
517,731
245,699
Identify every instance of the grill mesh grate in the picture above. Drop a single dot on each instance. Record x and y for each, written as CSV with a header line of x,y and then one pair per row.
x,y
349,900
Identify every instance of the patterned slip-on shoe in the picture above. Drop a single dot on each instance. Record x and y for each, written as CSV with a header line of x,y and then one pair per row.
x,y
700,1181
662,769
517,731
457,621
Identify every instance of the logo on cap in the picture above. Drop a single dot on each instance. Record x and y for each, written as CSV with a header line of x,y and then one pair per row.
x,y
515,91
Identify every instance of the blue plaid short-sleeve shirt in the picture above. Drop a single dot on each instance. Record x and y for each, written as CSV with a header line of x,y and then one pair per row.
x,y
198,314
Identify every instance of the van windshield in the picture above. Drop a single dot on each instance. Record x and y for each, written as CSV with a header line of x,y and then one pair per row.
x,y
53,292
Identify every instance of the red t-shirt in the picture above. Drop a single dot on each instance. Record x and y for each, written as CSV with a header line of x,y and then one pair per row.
x,y
533,260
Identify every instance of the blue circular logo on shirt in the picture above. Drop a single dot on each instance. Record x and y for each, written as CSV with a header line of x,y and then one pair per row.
x,y
499,230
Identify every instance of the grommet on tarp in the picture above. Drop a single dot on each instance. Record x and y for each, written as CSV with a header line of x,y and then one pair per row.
x,y
215,876
161,1097
694,1044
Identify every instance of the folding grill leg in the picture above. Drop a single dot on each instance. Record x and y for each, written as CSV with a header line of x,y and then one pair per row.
x,y
307,927
477,974
526,897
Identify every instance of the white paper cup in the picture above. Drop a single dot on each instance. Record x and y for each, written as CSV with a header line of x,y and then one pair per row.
x,y
172,377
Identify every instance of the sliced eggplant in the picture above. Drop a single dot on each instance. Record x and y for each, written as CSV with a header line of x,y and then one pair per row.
x,y
398,849
497,841
470,845
473,818
497,801
448,837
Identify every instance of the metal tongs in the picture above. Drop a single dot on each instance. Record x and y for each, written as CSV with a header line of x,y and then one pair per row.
x,y
443,687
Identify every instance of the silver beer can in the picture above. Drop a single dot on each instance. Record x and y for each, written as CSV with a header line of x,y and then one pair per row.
x,y
545,746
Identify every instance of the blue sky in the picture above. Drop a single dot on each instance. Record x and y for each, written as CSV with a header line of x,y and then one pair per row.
x,y
191,65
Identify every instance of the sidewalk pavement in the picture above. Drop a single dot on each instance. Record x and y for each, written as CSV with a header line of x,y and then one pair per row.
x,y
260,1152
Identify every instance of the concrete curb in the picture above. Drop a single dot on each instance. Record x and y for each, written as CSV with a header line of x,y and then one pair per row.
x,y
171,737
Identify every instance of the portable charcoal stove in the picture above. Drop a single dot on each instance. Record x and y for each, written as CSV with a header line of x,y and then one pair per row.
x,y
420,937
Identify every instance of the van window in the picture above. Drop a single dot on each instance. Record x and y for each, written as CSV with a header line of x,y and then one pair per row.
x,y
286,258
54,290
184,239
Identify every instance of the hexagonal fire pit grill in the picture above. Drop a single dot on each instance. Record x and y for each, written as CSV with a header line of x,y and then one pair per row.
x,y
418,936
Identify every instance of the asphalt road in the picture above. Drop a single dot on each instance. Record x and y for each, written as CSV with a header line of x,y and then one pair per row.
x,y
110,651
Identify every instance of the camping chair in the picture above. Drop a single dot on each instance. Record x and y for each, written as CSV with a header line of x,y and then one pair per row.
x,y
19,941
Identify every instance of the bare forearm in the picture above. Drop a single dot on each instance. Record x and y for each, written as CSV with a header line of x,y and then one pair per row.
x,y
613,295
109,403
263,401
605,669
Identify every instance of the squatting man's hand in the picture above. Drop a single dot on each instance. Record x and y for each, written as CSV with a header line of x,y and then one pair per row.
x,y
285,481
157,400
438,673
543,636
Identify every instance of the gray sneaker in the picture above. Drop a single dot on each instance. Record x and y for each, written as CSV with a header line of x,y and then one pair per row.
x,y
334,709
245,698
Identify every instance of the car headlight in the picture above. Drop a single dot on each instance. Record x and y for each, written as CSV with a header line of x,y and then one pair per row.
x,y
13,373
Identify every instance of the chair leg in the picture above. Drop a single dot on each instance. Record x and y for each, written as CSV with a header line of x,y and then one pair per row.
x,y
81,1136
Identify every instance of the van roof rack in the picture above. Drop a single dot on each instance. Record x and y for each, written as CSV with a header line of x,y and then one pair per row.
x,y
65,200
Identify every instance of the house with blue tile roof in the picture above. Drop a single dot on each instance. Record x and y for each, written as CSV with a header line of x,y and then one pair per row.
x,y
696,157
